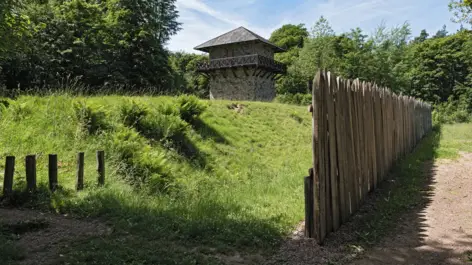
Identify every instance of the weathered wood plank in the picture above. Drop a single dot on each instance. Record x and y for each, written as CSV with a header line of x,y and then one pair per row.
x,y
334,181
316,160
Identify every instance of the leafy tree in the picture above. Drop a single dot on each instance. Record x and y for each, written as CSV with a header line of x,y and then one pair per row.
x,y
289,36
292,38
440,67
441,33
99,42
186,79
462,10
422,37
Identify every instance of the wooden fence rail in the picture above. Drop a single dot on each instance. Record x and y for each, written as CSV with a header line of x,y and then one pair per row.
x,y
30,167
359,131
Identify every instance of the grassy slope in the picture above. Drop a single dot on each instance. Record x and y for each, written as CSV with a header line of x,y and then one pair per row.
x,y
246,192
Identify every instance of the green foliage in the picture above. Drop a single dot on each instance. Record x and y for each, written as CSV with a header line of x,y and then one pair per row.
x,y
289,36
462,10
436,69
161,127
93,119
186,79
138,164
190,108
450,112
440,67
296,99
132,113
106,44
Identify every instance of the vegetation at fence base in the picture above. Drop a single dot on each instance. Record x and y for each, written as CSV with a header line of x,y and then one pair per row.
x,y
217,181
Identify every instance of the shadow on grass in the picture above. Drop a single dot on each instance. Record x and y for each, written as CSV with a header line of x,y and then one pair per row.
x,y
186,148
394,216
200,233
208,132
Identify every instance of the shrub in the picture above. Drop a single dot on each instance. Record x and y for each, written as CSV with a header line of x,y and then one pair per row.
x,y
450,112
131,113
168,109
162,127
138,164
190,108
92,119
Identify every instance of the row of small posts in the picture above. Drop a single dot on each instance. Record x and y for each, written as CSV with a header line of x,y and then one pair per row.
x,y
30,168
359,131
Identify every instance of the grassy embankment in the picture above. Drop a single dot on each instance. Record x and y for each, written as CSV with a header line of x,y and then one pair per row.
x,y
228,182
177,192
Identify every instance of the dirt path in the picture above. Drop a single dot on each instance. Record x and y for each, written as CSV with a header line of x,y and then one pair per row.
x,y
442,232
42,236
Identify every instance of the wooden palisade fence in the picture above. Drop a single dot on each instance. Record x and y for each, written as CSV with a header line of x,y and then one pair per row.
x,y
359,131
30,167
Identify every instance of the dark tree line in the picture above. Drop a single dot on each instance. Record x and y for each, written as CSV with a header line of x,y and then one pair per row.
x,y
99,43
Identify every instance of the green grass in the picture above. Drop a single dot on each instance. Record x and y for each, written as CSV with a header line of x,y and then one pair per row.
x,y
222,184
455,138
233,180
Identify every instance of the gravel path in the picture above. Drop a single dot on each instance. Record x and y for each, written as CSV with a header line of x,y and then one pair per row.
x,y
438,233
442,232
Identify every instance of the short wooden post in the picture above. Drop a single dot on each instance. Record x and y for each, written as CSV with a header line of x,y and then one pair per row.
x,y
52,172
309,206
8,177
30,165
101,167
80,172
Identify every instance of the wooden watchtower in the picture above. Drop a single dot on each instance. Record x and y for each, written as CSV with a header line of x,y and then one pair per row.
x,y
241,66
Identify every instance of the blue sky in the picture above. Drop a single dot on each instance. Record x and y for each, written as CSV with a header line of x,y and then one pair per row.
x,y
206,19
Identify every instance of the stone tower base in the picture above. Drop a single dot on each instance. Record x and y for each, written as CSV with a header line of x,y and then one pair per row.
x,y
238,84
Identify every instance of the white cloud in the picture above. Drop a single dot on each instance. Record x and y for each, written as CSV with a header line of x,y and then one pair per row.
x,y
197,30
202,22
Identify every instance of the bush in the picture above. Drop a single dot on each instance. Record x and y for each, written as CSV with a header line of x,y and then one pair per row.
x,y
131,113
92,119
138,164
450,112
162,127
190,108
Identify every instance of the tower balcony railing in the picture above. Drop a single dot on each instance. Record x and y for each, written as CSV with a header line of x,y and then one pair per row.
x,y
256,60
